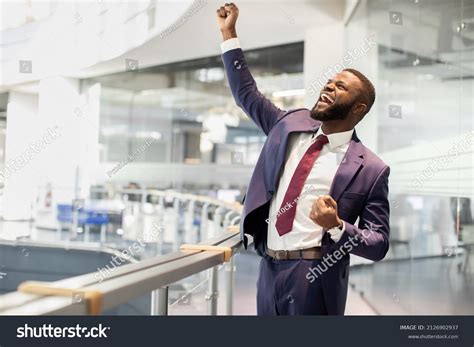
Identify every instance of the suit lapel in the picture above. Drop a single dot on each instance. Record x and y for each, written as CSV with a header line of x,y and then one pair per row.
x,y
349,166
302,124
350,163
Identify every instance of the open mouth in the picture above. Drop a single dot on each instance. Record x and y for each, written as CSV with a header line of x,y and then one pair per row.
x,y
326,99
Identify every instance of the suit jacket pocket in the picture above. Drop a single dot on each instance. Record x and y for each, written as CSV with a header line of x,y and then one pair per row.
x,y
350,204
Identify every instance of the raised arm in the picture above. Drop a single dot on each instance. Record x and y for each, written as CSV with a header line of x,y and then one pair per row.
x,y
244,89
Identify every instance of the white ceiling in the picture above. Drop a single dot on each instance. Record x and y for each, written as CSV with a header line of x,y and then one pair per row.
x,y
261,23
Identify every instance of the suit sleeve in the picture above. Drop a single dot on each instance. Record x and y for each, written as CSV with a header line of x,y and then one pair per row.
x,y
246,94
370,239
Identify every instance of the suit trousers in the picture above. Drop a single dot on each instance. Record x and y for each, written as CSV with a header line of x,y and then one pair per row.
x,y
283,289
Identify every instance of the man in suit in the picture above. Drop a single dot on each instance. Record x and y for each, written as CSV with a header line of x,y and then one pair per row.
x,y
313,180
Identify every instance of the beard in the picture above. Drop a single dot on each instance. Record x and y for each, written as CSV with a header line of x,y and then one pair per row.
x,y
336,111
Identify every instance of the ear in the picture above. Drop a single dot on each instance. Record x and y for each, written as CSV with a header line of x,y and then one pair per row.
x,y
359,110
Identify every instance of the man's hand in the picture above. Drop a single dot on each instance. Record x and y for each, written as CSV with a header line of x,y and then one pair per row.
x,y
226,18
324,212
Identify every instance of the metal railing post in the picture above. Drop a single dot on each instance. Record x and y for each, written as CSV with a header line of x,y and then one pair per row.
x,y
75,224
230,269
86,232
189,220
159,302
213,292
179,236
227,219
217,220
176,203
103,234
234,221
204,220
160,212
143,197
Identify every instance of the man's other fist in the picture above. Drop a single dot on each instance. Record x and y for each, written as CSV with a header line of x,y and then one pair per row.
x,y
324,212
226,18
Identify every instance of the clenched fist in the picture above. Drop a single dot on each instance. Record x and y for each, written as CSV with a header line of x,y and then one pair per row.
x,y
324,212
226,18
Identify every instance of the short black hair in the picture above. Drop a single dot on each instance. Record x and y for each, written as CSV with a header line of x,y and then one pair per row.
x,y
368,89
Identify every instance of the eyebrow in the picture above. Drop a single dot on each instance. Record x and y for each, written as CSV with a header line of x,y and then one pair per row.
x,y
339,81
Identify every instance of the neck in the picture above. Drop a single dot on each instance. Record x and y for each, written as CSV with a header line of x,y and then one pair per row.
x,y
331,127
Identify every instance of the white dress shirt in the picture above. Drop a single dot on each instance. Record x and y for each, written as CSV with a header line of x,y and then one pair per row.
x,y
305,232
230,44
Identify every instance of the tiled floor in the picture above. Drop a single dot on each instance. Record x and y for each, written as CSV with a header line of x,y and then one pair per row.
x,y
429,286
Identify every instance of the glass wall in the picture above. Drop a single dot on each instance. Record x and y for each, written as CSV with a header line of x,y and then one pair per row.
x,y
423,71
3,121
187,110
424,116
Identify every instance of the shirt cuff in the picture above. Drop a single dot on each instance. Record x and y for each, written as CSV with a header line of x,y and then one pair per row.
x,y
336,233
230,44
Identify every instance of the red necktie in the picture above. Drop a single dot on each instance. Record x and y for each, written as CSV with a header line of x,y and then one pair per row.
x,y
284,222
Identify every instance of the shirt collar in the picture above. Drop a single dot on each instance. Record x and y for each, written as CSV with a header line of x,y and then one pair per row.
x,y
337,139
